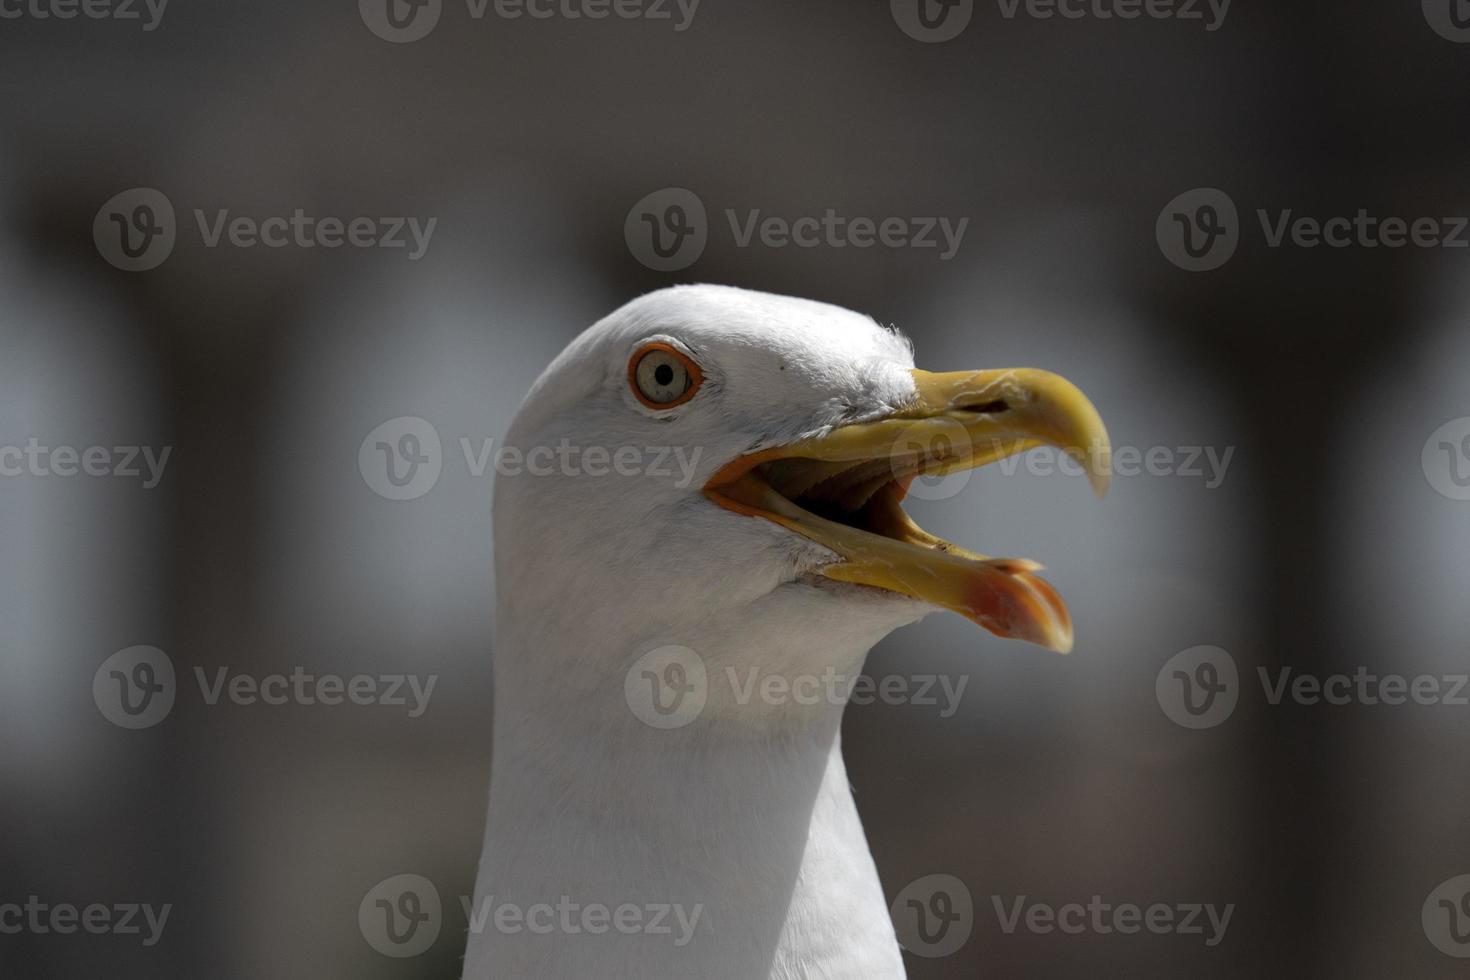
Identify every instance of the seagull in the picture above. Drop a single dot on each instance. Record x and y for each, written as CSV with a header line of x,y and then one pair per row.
x,y
668,797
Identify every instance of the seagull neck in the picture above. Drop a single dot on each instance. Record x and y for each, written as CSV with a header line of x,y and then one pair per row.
x,y
742,814
752,729
660,788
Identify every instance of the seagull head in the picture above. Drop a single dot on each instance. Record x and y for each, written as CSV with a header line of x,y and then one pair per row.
x,y
707,454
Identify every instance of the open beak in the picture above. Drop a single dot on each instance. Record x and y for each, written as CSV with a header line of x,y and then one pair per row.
x,y
843,491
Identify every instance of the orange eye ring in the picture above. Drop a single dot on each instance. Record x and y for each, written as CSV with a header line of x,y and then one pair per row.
x,y
663,353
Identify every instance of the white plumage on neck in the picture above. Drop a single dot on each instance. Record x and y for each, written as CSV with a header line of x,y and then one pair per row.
x,y
749,825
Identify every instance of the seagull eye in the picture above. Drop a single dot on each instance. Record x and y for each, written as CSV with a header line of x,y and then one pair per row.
x,y
662,376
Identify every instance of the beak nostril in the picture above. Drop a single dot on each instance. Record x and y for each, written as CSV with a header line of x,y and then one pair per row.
x,y
988,408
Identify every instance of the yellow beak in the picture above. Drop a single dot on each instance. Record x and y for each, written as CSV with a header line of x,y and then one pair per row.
x,y
843,491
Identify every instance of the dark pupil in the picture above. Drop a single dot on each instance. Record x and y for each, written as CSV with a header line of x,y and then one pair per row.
x,y
663,374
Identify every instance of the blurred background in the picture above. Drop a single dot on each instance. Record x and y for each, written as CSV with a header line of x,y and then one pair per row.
x,y
1337,379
